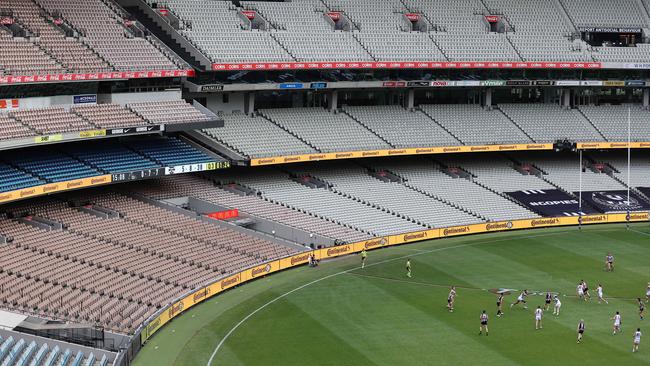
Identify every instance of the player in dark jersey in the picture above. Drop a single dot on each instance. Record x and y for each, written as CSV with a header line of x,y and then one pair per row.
x,y
641,308
451,299
581,330
547,302
585,289
500,305
609,262
484,323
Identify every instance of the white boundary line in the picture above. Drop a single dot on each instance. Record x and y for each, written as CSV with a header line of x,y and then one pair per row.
x,y
231,331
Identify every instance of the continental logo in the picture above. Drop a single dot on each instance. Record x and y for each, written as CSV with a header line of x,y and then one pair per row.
x,y
74,184
27,192
260,271
544,222
317,157
334,251
597,218
299,259
290,159
370,153
266,161
229,282
507,147
455,230
535,147
644,144
590,146
479,148
375,243
6,197
51,188
424,151
633,216
99,180
498,226
201,295
396,152
451,149
343,155
415,236
153,325
619,145
176,309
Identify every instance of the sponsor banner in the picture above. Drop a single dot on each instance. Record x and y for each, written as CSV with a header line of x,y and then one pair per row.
x,y
631,217
467,83
138,175
54,187
519,83
493,83
291,86
333,252
295,260
224,215
128,130
261,270
48,138
442,83
250,14
613,83
396,152
492,18
318,86
394,84
634,83
608,201
418,84
211,88
92,133
567,82
612,145
413,237
334,15
372,244
9,104
407,65
85,99
550,202
412,17
608,30
191,168
544,82
44,78
591,83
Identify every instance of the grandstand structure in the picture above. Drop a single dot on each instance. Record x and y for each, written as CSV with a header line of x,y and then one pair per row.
x,y
156,153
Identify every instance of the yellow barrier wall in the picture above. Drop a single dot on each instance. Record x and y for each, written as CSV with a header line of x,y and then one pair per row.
x,y
332,252
55,187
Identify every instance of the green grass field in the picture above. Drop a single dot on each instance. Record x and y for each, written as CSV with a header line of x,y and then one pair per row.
x,y
377,316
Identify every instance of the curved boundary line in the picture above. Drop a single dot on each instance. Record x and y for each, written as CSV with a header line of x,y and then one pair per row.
x,y
231,331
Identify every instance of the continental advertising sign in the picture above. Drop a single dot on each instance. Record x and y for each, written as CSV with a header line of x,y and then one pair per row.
x,y
202,294
396,152
92,133
54,187
612,145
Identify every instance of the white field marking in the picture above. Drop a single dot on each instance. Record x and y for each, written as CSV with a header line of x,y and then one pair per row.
x,y
415,250
231,331
640,232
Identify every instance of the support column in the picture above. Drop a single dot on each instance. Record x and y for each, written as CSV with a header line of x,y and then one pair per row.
x,y
410,99
333,100
249,103
566,98
646,98
488,98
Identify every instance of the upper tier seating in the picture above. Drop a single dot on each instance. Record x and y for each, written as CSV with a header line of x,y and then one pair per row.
x,y
169,151
611,121
106,33
52,120
12,179
605,13
109,116
20,56
12,129
167,112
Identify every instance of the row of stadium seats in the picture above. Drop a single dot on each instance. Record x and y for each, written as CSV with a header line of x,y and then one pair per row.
x,y
18,350
44,121
29,167
102,42
119,270
277,132
456,30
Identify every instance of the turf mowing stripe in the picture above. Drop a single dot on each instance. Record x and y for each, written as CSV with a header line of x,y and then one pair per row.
x,y
231,331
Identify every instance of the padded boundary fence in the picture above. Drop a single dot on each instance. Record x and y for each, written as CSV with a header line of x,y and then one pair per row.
x,y
197,296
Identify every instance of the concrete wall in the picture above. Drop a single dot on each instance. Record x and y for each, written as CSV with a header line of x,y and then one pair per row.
x,y
235,102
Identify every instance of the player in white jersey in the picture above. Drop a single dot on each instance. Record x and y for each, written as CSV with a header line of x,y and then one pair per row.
x,y
637,340
451,299
617,323
484,323
558,305
609,262
538,317
581,292
599,291
647,293
521,299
